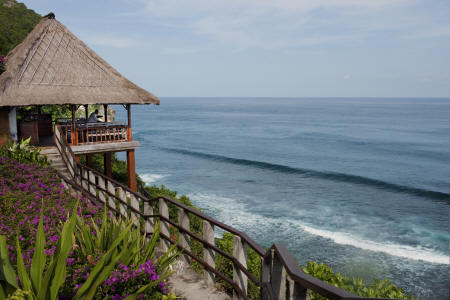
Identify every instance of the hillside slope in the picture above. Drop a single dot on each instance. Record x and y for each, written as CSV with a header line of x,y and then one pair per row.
x,y
16,21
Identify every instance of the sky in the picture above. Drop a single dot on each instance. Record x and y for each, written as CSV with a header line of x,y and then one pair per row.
x,y
268,48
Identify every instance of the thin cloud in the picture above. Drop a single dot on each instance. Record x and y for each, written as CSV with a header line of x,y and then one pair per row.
x,y
110,41
267,24
436,32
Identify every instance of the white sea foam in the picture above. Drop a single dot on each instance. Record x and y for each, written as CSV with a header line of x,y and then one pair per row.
x,y
234,213
151,178
416,253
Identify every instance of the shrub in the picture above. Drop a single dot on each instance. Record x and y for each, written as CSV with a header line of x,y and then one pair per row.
x,y
23,152
376,289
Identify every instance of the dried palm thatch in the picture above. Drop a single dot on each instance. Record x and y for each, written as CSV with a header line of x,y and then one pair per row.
x,y
52,66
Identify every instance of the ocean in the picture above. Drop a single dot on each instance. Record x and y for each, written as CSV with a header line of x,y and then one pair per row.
x,y
361,184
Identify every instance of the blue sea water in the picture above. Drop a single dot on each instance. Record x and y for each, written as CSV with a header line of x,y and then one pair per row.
x,y
360,184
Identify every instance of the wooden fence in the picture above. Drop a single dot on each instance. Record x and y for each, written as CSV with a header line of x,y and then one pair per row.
x,y
281,277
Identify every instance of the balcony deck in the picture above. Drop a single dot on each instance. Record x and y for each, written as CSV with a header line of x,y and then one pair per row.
x,y
105,147
98,137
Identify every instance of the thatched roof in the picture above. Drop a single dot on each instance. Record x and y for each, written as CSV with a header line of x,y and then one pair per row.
x,y
52,66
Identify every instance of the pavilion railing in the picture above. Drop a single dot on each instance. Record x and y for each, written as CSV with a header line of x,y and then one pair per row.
x,y
281,277
94,133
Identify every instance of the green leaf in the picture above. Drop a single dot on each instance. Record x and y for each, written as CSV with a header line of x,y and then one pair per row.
x,y
23,275
103,268
39,260
7,273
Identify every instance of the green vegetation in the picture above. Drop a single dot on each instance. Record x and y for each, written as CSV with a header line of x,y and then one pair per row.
x,y
23,152
46,252
16,21
376,289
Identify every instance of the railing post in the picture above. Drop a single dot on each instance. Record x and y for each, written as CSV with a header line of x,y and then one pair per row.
x,y
185,241
297,292
122,206
164,212
134,203
85,180
92,184
266,270
148,210
239,277
101,194
208,253
278,278
111,191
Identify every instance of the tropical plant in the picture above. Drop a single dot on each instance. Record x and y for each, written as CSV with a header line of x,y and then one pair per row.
x,y
137,273
44,277
141,247
23,152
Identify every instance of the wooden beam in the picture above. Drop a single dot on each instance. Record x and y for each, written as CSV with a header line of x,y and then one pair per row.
x,y
131,170
86,111
89,160
129,135
105,108
107,163
74,134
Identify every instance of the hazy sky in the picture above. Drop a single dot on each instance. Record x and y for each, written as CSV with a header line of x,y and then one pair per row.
x,y
289,48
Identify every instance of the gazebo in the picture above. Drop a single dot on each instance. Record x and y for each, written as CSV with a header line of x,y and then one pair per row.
x,y
53,67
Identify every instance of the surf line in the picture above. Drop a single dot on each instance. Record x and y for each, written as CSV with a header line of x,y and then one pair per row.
x,y
333,176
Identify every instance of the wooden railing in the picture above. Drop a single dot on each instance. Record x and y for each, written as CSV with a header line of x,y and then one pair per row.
x,y
281,277
95,133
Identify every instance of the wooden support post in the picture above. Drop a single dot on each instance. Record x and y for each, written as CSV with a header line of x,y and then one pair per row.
x,y
164,211
107,164
278,278
105,108
129,135
148,210
266,270
90,160
131,170
86,111
73,134
297,292
185,241
239,277
208,253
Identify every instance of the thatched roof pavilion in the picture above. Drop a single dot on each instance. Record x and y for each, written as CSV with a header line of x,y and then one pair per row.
x,y
52,66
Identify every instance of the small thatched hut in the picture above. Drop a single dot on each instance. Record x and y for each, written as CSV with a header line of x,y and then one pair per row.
x,y
53,67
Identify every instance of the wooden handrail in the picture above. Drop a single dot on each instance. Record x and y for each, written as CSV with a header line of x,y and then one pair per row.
x,y
254,245
97,133
277,263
